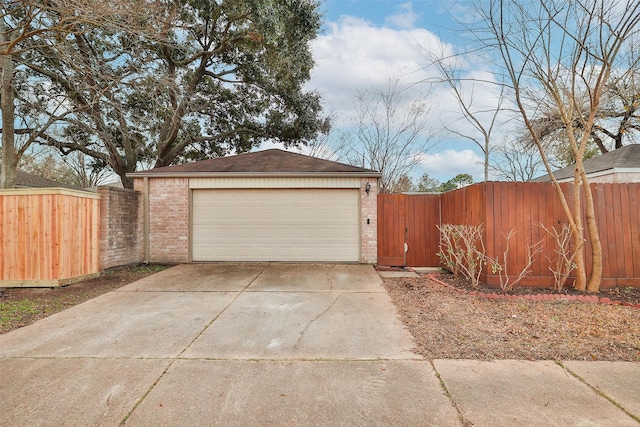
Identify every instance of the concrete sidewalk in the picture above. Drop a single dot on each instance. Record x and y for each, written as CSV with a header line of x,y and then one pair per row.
x,y
278,344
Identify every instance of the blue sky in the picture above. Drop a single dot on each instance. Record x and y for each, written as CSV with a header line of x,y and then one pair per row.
x,y
363,43
434,15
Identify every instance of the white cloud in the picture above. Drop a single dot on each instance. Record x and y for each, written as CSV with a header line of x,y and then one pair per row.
x,y
405,17
463,11
318,149
447,164
355,55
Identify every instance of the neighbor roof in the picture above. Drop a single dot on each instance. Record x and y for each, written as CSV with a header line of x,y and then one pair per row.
x,y
29,180
269,162
627,157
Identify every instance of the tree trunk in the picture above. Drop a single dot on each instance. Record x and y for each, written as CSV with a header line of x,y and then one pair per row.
x,y
578,237
593,284
486,160
9,156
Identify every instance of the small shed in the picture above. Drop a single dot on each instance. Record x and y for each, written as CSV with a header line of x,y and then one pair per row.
x,y
617,166
270,205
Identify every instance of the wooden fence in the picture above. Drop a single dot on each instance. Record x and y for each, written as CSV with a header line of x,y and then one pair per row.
x,y
48,237
407,229
502,207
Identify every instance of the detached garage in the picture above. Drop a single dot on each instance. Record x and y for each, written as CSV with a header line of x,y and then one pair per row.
x,y
269,205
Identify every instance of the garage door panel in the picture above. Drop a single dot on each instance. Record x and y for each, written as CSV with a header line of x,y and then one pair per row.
x,y
275,225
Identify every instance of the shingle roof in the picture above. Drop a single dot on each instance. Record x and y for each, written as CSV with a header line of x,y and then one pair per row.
x,y
272,161
627,157
29,180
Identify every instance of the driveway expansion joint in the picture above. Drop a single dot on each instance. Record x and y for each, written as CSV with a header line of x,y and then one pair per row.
x,y
598,391
223,310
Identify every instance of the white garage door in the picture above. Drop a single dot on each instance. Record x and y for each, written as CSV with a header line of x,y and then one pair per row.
x,y
275,225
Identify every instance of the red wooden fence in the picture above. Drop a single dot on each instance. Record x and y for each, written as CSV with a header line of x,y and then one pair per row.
x,y
411,220
520,207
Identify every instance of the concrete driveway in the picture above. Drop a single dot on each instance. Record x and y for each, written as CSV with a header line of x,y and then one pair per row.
x,y
224,344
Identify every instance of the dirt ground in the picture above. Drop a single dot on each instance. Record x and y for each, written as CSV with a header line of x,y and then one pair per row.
x,y
447,323
22,306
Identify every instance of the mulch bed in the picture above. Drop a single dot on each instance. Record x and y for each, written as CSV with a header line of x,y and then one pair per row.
x,y
451,322
626,296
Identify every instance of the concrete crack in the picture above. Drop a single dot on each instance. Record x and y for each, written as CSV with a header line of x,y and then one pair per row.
x,y
295,347
326,274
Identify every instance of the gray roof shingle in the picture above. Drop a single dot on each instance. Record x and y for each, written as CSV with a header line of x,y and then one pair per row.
x,y
29,180
627,157
272,161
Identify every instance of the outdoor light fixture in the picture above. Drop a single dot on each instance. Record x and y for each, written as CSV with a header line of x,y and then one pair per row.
x,y
367,188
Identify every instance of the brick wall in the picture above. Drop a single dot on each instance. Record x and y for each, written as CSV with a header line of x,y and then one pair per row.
x,y
369,231
121,237
169,219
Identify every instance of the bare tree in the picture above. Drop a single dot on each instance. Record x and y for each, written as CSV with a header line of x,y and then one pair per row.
x,y
391,132
86,171
519,161
480,114
9,158
568,51
46,164
74,169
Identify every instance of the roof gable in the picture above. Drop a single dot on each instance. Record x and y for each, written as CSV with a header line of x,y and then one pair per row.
x,y
273,161
627,157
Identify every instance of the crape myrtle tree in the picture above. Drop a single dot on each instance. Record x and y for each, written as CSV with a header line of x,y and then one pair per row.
x,y
25,24
221,76
565,55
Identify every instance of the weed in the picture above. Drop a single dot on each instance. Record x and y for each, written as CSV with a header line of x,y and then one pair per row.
x,y
149,268
15,310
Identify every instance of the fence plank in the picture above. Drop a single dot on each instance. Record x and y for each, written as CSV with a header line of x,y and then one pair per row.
x,y
423,217
391,219
502,206
48,236
625,216
634,210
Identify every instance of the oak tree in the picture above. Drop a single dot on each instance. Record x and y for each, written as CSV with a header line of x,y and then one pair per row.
x,y
224,77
